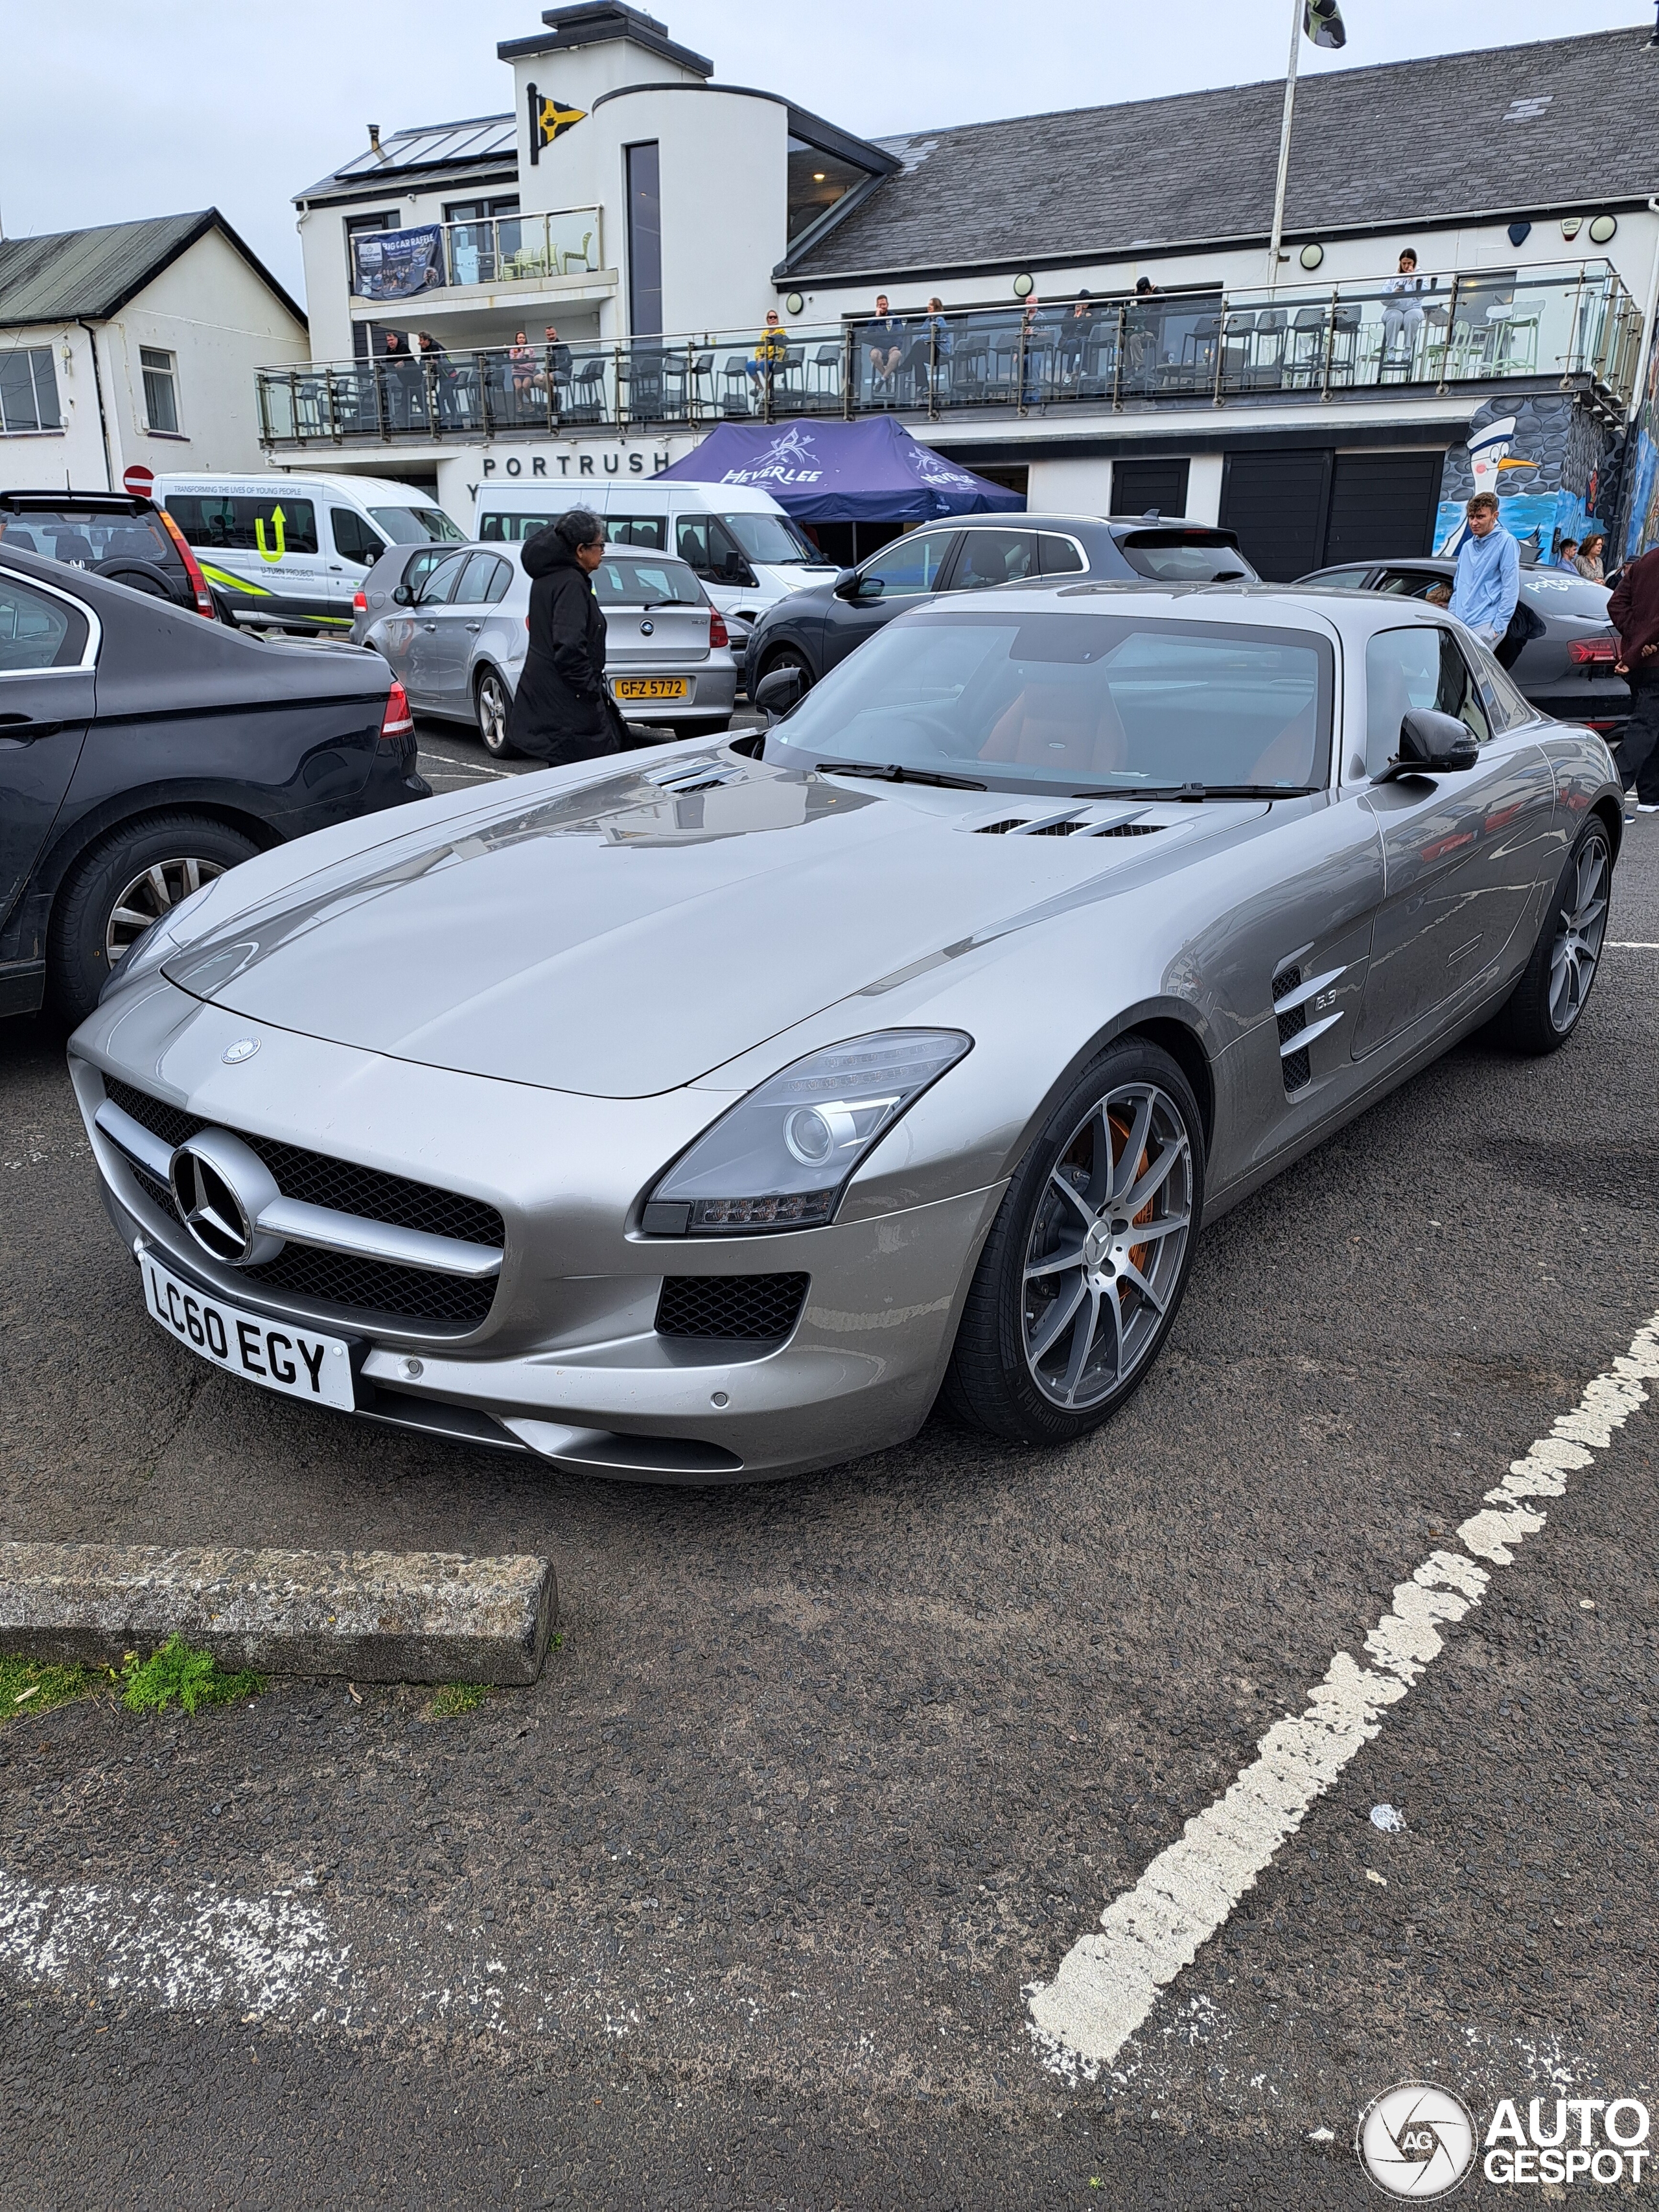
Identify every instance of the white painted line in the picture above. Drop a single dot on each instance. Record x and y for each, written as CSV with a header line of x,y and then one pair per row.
x,y
1108,1983
187,1950
1628,945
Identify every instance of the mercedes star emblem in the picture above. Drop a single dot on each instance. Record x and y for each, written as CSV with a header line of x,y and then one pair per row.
x,y
244,1048
221,1187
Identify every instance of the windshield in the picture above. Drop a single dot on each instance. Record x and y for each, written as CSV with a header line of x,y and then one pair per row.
x,y
774,538
1184,556
83,536
645,584
1566,595
410,526
1075,701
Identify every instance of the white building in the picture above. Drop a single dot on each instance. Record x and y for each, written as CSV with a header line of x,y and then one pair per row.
x,y
652,216
135,343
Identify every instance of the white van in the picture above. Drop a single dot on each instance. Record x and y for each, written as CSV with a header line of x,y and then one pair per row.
x,y
744,549
287,552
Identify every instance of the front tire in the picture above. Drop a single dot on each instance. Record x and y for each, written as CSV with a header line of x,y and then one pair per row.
x,y
123,884
1543,1010
1086,1264
494,707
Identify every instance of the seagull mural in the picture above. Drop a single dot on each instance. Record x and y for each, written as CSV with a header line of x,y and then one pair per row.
x,y
1489,456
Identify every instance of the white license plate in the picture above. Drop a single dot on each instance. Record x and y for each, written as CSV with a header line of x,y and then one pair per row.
x,y
275,1354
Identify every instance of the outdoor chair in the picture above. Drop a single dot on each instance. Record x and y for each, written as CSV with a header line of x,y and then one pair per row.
x,y
587,392
700,393
1345,342
645,376
1267,371
574,259
828,364
735,378
1238,346
1304,363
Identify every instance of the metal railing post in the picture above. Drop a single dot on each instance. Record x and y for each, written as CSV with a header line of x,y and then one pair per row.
x,y
615,387
294,402
933,368
1577,346
1220,351
1019,369
1117,356
848,371
1451,332
1330,344
486,412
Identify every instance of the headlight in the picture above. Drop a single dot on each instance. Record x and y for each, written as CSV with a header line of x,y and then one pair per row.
x,y
146,953
781,1159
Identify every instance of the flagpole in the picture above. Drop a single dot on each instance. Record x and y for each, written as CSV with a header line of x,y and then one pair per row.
x,y
1284,144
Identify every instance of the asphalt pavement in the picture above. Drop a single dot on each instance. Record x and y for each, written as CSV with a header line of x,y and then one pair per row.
x,y
748,1902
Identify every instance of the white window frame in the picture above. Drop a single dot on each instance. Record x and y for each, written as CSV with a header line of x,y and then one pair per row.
x,y
152,430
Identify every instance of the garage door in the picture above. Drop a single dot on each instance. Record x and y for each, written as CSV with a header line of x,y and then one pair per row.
x,y
1382,507
1276,503
1139,486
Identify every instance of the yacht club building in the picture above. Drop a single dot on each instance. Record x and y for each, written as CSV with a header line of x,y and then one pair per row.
x,y
596,264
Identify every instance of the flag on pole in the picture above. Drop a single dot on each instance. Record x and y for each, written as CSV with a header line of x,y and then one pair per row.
x,y
1322,22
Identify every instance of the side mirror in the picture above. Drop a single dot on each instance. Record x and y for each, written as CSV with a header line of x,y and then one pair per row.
x,y
778,690
846,585
401,596
1432,744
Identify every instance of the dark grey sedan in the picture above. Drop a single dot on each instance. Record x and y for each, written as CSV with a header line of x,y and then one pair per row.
x,y
1560,649
812,630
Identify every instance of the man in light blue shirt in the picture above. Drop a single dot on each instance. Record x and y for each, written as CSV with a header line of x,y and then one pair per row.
x,y
1488,580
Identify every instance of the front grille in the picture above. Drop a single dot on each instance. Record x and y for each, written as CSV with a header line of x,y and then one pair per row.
x,y
369,1290
757,1308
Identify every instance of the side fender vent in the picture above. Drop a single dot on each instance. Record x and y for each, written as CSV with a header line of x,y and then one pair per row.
x,y
1293,997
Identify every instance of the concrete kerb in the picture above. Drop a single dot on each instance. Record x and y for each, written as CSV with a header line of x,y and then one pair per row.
x,y
374,1616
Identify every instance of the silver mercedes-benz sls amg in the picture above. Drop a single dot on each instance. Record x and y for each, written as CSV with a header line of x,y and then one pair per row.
x,y
714,1114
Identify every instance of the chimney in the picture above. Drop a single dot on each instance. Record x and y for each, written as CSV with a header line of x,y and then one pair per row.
x,y
373,138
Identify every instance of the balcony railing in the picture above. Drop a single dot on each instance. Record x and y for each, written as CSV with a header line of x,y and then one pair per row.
x,y
1189,349
504,250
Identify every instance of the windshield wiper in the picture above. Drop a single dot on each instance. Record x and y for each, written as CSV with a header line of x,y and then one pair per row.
x,y
1195,793
896,772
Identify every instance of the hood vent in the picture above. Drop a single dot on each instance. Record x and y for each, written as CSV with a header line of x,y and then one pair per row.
x,y
1074,825
681,778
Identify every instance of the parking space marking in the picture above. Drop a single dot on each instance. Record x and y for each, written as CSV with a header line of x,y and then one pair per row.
x,y
1108,1984
185,1949
1629,945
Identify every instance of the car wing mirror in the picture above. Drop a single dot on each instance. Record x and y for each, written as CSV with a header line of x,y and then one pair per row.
x,y
401,596
846,585
1432,744
777,691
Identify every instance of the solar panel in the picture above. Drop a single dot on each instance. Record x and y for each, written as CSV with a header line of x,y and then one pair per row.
x,y
437,145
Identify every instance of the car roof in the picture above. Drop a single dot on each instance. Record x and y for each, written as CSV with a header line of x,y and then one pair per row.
x,y
1269,605
92,502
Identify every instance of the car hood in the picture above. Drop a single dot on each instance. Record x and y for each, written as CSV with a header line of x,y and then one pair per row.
x,y
629,935
789,578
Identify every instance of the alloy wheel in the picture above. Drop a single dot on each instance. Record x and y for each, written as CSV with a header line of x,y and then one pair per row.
x,y
150,896
1580,927
1103,1259
492,711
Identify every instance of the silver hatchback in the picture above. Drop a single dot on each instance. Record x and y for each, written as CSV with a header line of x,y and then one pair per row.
x,y
457,641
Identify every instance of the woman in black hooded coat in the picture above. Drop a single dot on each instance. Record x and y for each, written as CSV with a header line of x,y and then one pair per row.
x,y
562,711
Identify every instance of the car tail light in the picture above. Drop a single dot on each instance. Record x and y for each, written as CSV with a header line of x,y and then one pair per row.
x,y
192,568
360,603
1593,649
717,633
397,721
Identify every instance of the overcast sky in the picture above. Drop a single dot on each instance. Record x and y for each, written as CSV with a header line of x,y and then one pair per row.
x,y
111,109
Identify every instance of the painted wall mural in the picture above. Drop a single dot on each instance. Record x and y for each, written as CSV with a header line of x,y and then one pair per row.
x,y
1552,466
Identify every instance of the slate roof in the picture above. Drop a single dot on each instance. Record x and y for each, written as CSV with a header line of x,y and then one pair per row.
x,y
70,273
1565,123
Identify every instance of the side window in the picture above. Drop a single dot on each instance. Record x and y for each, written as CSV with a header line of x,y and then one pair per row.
x,y
648,530
1059,555
500,582
692,542
1414,668
36,631
1346,579
914,564
475,586
420,568
1415,584
1509,709
439,587
994,556
353,539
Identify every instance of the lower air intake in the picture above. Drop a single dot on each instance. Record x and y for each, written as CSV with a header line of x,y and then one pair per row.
x,y
749,1308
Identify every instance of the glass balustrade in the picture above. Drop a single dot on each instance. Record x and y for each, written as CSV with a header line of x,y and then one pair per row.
x,y
1478,327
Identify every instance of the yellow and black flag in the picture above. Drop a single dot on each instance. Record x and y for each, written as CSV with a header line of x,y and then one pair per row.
x,y
549,121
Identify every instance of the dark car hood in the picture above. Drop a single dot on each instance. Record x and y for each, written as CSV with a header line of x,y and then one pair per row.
x,y
622,940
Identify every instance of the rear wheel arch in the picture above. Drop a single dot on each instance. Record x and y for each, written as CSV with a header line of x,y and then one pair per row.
x,y
1612,817
97,828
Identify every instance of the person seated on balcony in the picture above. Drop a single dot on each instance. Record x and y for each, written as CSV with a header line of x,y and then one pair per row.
x,y
767,358
883,341
521,371
1402,318
401,380
1074,335
931,346
558,359
436,361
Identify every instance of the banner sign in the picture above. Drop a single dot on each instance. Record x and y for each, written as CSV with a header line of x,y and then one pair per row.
x,y
396,264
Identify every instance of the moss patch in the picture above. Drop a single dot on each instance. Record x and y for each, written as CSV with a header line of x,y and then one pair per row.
x,y
180,1675
456,1698
29,1685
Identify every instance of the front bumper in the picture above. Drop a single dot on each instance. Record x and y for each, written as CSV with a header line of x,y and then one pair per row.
x,y
568,1363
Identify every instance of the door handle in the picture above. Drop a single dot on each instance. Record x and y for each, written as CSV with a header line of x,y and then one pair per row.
x,y
23,729
428,625
475,625
336,568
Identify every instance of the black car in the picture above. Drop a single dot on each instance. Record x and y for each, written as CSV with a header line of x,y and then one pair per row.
x,y
117,534
812,630
143,751
1559,646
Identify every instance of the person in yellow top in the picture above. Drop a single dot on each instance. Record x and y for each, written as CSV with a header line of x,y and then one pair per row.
x,y
770,348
